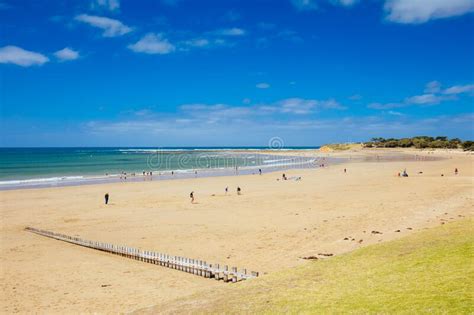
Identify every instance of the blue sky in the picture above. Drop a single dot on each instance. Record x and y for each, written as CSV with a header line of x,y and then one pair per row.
x,y
215,73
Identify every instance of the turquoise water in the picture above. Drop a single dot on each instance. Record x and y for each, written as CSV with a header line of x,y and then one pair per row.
x,y
27,166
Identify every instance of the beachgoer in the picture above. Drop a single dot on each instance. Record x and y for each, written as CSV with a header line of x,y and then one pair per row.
x,y
226,190
106,197
260,171
283,176
191,195
345,171
456,171
172,173
238,190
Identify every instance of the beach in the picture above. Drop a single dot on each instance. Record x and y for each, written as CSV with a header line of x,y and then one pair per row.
x,y
270,227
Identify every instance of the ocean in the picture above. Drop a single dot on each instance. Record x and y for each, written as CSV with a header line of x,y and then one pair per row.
x,y
44,167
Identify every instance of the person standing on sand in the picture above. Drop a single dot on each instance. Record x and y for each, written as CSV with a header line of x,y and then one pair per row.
x,y
345,171
106,197
238,190
226,190
456,171
191,195
260,171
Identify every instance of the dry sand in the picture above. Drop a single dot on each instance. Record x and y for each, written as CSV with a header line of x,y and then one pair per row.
x,y
268,228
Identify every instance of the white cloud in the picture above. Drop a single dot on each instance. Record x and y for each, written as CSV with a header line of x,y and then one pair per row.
x,y
111,5
21,57
263,85
394,113
355,97
304,4
235,31
385,106
111,27
458,89
297,105
197,42
420,11
433,95
433,87
153,44
346,3
66,54
302,106
424,99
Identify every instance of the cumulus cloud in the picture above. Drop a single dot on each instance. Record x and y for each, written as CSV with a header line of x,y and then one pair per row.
x,y
293,106
385,106
262,85
346,2
424,99
433,87
197,42
235,31
433,95
304,4
301,106
153,44
111,27
421,11
458,89
111,5
66,54
21,57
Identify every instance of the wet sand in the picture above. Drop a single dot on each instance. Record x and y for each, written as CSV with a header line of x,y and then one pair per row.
x,y
268,228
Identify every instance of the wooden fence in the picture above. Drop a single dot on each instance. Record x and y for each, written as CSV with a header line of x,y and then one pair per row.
x,y
194,266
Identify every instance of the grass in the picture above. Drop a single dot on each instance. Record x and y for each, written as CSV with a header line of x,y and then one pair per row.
x,y
427,272
340,146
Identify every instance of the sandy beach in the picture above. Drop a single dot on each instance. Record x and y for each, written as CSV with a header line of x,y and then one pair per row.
x,y
268,228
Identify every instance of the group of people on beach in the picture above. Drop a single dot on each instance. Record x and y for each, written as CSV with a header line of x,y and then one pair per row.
x,y
405,174
239,192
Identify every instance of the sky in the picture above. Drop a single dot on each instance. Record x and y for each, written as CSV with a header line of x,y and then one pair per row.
x,y
234,73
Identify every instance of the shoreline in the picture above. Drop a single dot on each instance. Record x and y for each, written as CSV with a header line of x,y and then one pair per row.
x,y
289,162
298,158
269,227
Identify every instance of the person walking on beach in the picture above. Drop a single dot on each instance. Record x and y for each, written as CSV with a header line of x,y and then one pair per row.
x,y
226,190
456,171
345,171
238,190
191,195
260,171
106,197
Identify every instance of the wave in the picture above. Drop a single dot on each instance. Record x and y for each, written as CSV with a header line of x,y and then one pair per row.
x,y
40,180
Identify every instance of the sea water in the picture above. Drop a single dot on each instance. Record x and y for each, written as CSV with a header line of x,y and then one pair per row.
x,y
40,167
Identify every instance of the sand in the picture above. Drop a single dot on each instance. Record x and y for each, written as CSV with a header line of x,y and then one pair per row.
x,y
269,227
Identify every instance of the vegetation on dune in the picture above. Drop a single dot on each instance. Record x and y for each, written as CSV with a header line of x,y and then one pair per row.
x,y
340,146
421,142
427,272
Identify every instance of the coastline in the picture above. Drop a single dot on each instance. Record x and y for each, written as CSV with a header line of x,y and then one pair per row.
x,y
268,163
279,160
268,228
